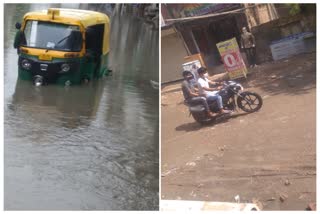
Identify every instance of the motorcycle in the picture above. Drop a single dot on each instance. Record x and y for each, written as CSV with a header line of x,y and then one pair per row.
x,y
233,96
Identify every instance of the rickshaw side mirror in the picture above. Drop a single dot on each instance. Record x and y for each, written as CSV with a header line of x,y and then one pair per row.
x,y
18,25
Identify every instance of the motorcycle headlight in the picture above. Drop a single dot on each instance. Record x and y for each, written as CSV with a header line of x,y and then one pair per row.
x,y
65,68
239,87
25,64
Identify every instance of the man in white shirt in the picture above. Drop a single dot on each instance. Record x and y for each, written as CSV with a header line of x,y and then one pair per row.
x,y
211,94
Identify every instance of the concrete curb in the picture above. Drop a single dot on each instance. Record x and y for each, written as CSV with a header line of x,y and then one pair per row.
x,y
181,205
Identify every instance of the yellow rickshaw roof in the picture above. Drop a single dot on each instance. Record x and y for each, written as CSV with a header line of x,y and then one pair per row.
x,y
70,16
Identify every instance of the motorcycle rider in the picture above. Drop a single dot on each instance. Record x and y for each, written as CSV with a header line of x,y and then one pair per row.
x,y
210,93
191,94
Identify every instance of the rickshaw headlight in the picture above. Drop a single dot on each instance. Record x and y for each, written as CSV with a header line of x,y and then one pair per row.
x,y
65,68
26,64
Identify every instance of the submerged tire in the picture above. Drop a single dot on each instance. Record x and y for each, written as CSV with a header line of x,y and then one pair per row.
x,y
249,102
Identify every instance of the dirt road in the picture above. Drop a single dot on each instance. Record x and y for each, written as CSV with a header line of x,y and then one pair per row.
x,y
260,156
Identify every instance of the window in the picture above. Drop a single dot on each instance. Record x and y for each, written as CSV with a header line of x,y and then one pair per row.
x,y
52,36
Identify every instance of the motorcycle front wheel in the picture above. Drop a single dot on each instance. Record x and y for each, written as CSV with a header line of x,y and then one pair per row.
x,y
249,102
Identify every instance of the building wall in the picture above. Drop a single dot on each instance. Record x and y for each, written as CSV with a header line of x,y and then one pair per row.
x,y
258,14
268,22
172,55
280,28
208,32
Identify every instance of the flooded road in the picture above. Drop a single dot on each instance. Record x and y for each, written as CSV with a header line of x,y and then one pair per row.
x,y
91,147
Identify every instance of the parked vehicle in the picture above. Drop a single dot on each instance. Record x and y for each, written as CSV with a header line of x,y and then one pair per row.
x,y
233,96
63,46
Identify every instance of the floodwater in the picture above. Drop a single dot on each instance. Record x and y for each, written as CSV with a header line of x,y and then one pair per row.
x,y
92,147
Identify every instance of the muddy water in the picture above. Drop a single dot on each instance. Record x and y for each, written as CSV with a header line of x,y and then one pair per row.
x,y
89,147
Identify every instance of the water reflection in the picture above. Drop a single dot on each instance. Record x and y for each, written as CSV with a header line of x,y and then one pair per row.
x,y
59,101
89,147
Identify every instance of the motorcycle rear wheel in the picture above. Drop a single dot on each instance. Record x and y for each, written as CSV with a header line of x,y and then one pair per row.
x,y
203,120
249,102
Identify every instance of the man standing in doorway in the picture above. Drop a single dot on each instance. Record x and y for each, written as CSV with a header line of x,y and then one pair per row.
x,y
248,43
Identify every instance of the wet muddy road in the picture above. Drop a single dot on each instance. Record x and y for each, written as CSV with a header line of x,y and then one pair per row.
x,y
91,147
260,156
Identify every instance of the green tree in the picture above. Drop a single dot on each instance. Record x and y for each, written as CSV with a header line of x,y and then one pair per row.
x,y
301,8
294,9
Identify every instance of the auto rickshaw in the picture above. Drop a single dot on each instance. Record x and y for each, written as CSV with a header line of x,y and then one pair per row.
x,y
63,46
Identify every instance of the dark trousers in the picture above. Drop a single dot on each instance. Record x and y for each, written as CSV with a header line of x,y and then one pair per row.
x,y
199,100
251,55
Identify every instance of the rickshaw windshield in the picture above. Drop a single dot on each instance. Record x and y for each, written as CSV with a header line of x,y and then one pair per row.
x,y
52,36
